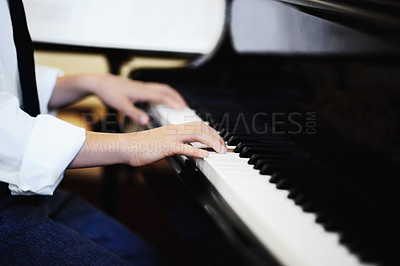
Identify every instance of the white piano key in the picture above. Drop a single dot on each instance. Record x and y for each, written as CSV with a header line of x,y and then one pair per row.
x,y
168,115
288,232
230,147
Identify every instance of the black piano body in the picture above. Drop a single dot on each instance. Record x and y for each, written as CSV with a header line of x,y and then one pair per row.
x,y
330,71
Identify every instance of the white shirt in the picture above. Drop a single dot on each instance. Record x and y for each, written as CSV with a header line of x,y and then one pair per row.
x,y
34,152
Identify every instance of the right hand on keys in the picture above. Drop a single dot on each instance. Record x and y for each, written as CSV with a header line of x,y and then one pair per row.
x,y
153,145
145,147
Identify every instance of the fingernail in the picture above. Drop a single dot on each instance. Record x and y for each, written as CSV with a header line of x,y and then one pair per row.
x,y
143,120
223,148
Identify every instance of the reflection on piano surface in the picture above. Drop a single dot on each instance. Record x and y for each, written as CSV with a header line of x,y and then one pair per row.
x,y
312,179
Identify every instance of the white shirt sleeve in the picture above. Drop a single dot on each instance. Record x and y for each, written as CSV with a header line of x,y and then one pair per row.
x,y
46,78
34,152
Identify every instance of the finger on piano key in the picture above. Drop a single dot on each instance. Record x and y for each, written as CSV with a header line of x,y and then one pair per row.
x,y
208,148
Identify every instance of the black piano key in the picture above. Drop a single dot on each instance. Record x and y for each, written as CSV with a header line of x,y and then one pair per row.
x,y
236,139
258,164
247,152
298,156
248,133
344,216
269,167
266,144
300,179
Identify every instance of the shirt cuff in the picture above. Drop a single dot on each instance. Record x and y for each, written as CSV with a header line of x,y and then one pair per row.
x,y
46,78
52,145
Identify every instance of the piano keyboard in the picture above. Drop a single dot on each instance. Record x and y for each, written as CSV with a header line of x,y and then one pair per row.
x,y
289,233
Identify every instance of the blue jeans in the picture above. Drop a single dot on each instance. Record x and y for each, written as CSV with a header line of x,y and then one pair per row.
x,y
65,230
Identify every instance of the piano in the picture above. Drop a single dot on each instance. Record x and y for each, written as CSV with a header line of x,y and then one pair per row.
x,y
305,95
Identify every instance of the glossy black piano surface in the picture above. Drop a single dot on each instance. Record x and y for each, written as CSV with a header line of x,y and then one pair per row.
x,y
377,17
324,126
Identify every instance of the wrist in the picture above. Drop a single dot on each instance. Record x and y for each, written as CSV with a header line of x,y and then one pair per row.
x,y
125,148
116,147
89,83
102,149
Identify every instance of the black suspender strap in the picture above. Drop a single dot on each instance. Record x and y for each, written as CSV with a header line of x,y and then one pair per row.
x,y
26,67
